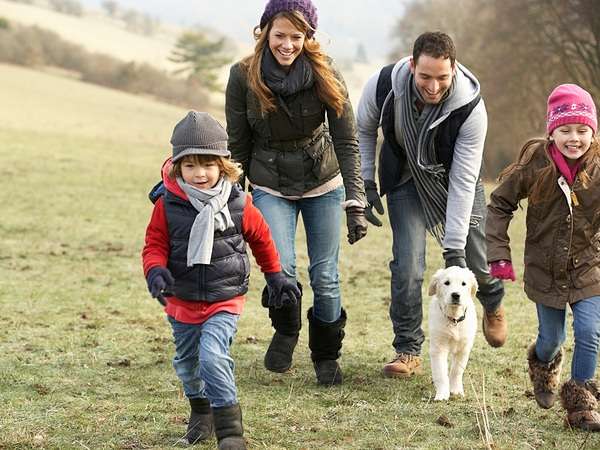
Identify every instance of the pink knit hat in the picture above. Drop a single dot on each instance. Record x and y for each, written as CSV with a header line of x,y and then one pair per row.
x,y
568,103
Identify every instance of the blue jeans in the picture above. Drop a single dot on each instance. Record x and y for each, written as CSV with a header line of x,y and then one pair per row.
x,y
322,217
408,264
202,360
552,331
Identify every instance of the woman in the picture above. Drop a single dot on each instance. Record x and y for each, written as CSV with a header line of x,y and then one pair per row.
x,y
291,125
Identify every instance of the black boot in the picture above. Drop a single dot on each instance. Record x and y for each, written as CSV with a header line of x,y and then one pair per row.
x,y
287,323
201,425
228,427
325,342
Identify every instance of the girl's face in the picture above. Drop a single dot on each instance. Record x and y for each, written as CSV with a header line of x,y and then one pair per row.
x,y
573,140
204,175
285,41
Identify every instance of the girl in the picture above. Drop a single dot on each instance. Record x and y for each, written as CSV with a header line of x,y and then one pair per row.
x,y
291,125
560,177
195,250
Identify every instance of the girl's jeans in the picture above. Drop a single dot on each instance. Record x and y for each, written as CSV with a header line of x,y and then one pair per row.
x,y
202,360
552,332
322,218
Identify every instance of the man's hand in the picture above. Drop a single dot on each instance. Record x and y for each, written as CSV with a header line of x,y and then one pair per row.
x,y
356,222
454,257
373,200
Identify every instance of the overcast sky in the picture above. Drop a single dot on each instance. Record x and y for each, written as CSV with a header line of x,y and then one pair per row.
x,y
345,24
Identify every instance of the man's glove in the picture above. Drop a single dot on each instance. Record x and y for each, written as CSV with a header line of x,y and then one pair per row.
x,y
502,269
454,257
282,290
373,200
159,279
356,222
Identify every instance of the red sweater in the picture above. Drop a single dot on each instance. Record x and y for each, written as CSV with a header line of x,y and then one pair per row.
x,y
156,253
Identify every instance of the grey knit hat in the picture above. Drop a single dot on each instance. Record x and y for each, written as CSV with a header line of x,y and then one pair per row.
x,y
199,133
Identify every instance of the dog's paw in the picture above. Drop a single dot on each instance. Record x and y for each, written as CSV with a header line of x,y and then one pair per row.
x,y
457,394
441,396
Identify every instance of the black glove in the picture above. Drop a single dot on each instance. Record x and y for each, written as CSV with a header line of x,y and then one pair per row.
x,y
454,257
282,290
356,222
374,200
159,280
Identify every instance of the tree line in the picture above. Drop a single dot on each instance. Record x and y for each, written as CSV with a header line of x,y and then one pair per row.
x,y
519,50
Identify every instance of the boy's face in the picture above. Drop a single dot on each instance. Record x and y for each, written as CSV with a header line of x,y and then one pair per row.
x,y
200,174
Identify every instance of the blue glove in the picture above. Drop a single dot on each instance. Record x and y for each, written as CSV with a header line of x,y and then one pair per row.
x,y
159,280
282,290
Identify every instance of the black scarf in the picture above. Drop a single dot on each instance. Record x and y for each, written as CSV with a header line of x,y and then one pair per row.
x,y
282,83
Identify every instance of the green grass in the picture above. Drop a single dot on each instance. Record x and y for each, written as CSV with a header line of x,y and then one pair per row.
x,y
86,352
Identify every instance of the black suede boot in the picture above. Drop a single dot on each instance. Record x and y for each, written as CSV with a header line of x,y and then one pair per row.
x,y
287,323
201,425
325,342
228,427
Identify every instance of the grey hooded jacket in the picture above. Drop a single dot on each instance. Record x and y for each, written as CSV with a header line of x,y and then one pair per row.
x,y
468,149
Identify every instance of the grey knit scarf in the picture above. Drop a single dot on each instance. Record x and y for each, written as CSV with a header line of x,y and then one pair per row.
x,y
430,177
213,214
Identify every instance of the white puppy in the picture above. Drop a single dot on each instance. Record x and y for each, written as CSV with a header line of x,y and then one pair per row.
x,y
452,328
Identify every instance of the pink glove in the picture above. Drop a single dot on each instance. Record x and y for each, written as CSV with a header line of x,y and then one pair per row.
x,y
502,270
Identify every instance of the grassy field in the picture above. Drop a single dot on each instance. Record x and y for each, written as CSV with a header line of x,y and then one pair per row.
x,y
86,352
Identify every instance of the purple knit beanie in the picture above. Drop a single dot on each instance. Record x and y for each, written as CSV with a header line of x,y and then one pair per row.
x,y
304,7
568,103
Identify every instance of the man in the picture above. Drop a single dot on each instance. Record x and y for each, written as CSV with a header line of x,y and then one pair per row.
x,y
434,124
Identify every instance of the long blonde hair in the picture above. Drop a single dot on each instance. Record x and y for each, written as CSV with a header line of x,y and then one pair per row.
x,y
545,179
329,89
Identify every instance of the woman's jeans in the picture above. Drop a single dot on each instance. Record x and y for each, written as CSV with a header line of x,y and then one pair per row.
x,y
552,331
202,360
322,218
408,264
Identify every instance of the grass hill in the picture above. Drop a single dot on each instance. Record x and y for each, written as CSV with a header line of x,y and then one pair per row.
x,y
97,33
86,352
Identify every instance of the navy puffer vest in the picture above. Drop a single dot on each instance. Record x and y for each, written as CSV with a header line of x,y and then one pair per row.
x,y
228,273
392,156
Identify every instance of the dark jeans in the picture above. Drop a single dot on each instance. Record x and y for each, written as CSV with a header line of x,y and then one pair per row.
x,y
408,264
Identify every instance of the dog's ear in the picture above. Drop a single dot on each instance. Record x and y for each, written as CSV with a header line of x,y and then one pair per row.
x,y
474,285
433,283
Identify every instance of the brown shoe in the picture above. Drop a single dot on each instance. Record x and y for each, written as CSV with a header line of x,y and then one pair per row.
x,y
402,366
495,327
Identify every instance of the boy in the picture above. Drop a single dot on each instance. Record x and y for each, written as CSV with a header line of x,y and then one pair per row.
x,y
195,254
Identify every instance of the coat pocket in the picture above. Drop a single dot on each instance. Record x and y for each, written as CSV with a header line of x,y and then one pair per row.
x,y
586,265
322,159
538,271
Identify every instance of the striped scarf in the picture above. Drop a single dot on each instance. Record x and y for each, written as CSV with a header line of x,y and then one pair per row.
x,y
430,177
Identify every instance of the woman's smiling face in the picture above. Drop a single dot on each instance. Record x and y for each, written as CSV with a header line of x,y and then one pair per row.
x,y
285,41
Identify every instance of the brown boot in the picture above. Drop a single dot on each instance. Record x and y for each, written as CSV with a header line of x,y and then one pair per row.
x,y
402,366
581,406
495,327
545,377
